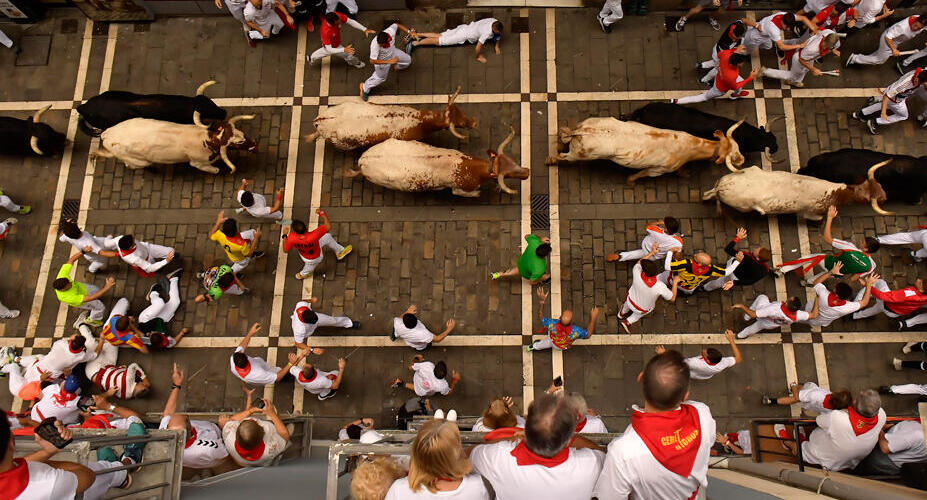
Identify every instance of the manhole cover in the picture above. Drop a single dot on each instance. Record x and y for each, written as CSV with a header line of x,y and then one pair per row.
x,y
69,26
34,51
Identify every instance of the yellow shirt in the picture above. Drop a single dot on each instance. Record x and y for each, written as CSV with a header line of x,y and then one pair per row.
x,y
237,248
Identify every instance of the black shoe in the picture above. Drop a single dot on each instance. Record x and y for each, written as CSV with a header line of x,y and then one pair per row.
x,y
602,24
884,389
902,325
871,127
154,288
393,337
176,273
769,401
356,326
858,115
258,254
331,394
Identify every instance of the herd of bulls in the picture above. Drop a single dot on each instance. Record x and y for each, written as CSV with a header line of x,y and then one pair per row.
x,y
141,130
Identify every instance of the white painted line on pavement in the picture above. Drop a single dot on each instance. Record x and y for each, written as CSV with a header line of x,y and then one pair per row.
x,y
527,358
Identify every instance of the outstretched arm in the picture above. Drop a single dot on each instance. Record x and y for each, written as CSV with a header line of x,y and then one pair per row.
x,y
593,315
170,408
256,327
831,213
110,282
731,339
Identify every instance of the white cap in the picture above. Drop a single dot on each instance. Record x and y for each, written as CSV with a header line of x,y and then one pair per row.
x,y
370,437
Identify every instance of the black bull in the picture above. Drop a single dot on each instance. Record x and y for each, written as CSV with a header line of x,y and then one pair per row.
x,y
904,179
669,116
113,107
16,137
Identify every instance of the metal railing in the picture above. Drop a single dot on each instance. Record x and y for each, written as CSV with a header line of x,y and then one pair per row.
x,y
159,470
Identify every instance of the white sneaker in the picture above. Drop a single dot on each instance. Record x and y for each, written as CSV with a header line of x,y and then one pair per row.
x,y
439,413
907,347
741,335
896,363
452,415
82,319
239,210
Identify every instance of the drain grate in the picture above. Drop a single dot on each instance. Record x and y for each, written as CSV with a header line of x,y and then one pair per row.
x,y
70,209
100,28
540,211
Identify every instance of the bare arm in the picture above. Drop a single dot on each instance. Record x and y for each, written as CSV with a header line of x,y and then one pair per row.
x,y
219,220
831,213
271,412
749,312
256,327
278,201
543,296
731,339
593,315
110,282
341,364
325,221
170,408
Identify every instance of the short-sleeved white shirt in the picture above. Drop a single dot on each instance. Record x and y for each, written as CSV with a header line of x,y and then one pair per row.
x,y
380,53
425,382
60,358
259,373
470,488
827,313
594,425
644,297
482,29
86,239
207,450
259,208
321,384
574,478
700,369
274,444
812,397
48,483
665,242
906,442
835,446
769,28
846,245
417,337
868,10
901,31
302,331
773,312
47,407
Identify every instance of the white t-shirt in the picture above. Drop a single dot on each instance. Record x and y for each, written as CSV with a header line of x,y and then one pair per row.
x,y
141,257
773,312
769,30
479,427
302,331
207,450
86,239
343,433
321,384
60,358
868,10
901,31
665,242
906,442
257,372
470,488
48,406
846,245
574,478
274,444
48,483
631,471
482,29
643,297
812,397
744,441
378,52
259,208
812,51
425,382
417,337
827,313
834,445
700,369
594,425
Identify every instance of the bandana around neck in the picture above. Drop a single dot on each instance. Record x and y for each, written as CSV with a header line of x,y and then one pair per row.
x,y
788,313
192,438
15,480
673,437
243,372
861,424
524,456
834,301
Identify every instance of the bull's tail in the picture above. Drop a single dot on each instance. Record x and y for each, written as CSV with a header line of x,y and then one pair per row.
x,y
565,134
352,172
101,152
311,137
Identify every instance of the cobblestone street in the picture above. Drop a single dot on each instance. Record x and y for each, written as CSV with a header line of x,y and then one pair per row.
x,y
438,250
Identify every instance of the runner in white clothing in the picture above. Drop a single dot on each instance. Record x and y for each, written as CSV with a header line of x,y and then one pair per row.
x,y
904,442
764,33
305,321
871,11
915,237
415,333
323,384
204,447
60,401
664,452
812,398
428,378
256,205
145,258
890,39
251,369
253,442
80,240
588,420
820,44
122,381
711,362
662,233
837,304
893,105
65,354
264,18
610,14
644,291
772,315
383,56
478,32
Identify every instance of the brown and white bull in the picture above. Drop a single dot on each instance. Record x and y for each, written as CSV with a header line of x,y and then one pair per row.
x,y
415,167
653,151
360,124
778,192
141,142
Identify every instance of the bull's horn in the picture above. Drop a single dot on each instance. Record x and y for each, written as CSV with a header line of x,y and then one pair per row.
x,y
34,143
872,170
774,120
454,132
768,155
733,128
235,119
202,88
38,114
730,164
197,121
505,142
841,35
878,209
223,152
503,186
453,97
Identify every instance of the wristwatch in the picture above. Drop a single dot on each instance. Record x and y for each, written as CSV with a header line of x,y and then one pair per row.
x,y
175,386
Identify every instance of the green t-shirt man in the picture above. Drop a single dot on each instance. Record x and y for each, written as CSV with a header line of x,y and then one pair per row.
x,y
530,266
73,296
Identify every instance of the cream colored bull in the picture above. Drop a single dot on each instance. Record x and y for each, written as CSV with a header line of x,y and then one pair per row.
x,y
778,192
651,150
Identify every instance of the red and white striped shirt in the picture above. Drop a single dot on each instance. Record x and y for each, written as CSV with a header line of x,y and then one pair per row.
x,y
123,378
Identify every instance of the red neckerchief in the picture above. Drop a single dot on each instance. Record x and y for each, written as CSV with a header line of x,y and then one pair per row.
x,y
914,80
388,42
123,253
673,437
192,438
861,424
97,422
777,20
237,239
501,433
649,280
698,269
834,301
922,227
789,314
709,362
63,397
77,351
524,456
911,20
331,376
299,313
250,455
243,372
305,380
827,404
15,480
580,425
730,31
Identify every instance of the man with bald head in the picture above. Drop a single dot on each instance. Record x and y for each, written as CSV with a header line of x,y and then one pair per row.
x,y
561,332
693,273
549,461
664,452
204,448
254,442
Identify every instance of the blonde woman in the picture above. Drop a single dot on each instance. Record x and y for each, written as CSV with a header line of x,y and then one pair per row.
x,y
439,468
499,415
372,478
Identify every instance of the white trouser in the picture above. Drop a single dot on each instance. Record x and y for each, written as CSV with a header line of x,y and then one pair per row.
x,y
719,282
820,321
5,312
326,241
881,54
920,319
161,309
638,255
915,56
32,373
711,63
7,203
754,39
896,111
5,40
107,357
326,50
97,262
238,12
96,307
878,307
760,324
909,389
272,25
234,290
240,266
795,73
380,71
120,309
611,12
543,344
712,93
338,321
918,237
635,315
17,381
103,482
